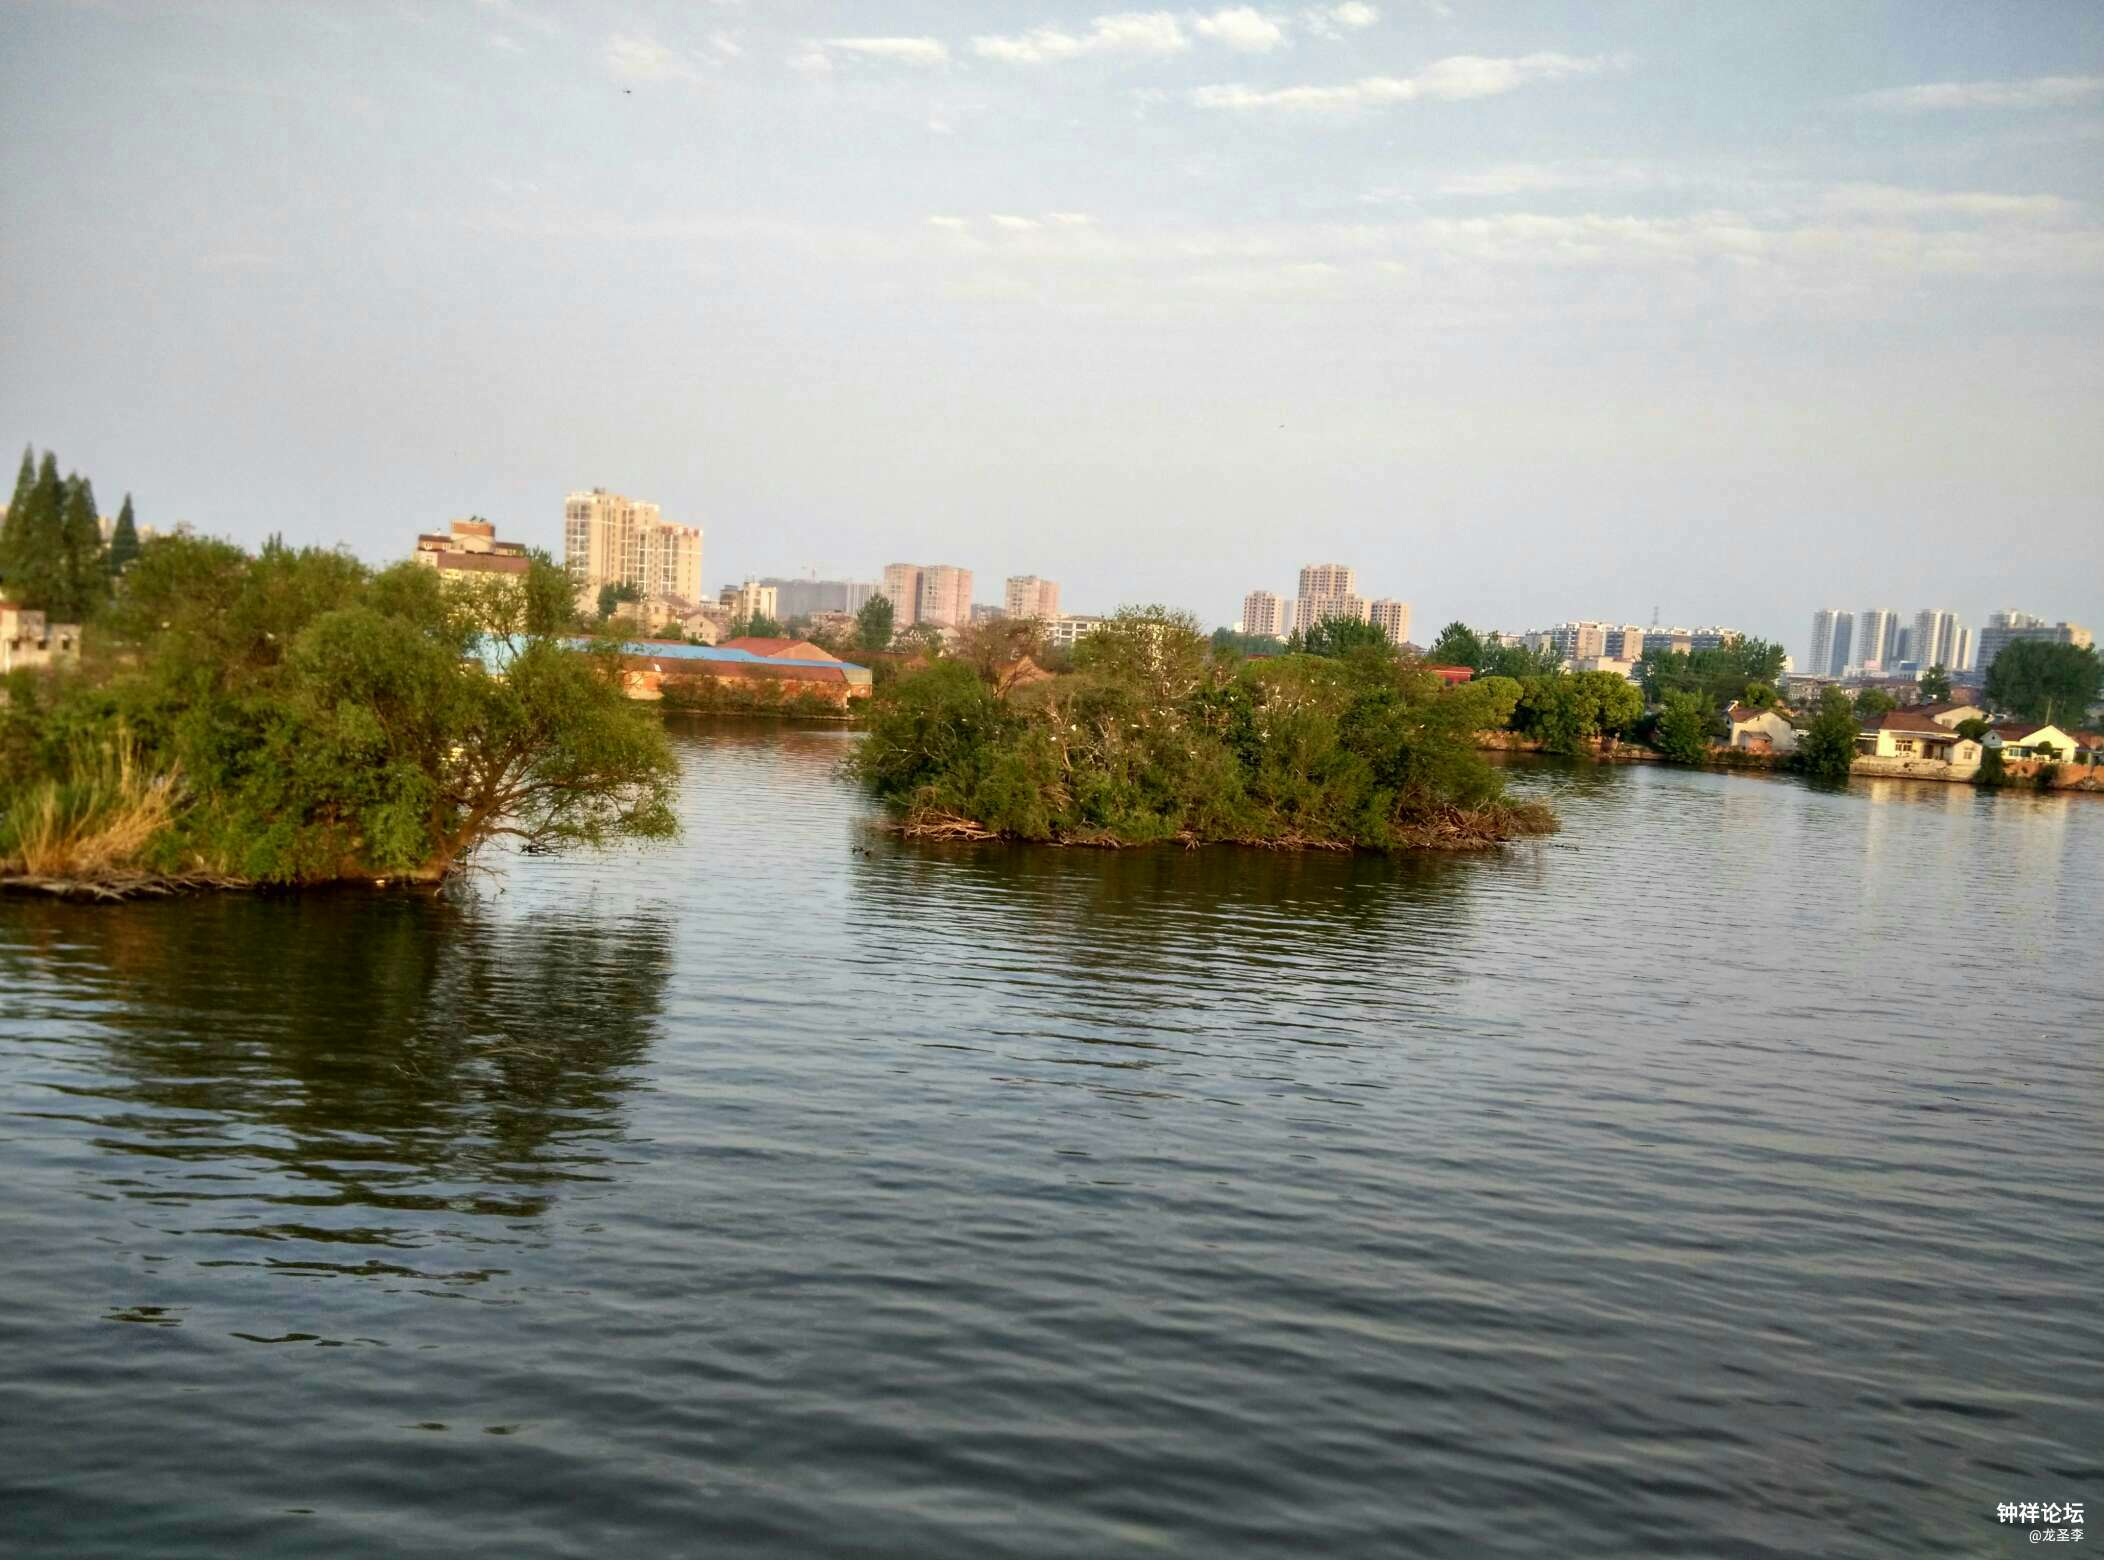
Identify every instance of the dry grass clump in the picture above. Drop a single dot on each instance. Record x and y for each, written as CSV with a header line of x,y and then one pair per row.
x,y
95,825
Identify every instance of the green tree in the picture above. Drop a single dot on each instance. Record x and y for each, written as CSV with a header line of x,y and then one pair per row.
x,y
873,622
1234,647
1721,676
326,723
1518,662
124,540
18,506
1684,728
1827,746
1340,636
758,626
1568,710
1973,729
1457,645
612,595
1873,702
87,581
2043,681
1935,685
34,561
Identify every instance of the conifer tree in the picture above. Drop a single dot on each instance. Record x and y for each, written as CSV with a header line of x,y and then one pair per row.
x,y
36,551
85,581
124,540
17,514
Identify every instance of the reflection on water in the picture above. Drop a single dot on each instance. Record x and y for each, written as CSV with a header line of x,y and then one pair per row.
x,y
358,1049
1722,1175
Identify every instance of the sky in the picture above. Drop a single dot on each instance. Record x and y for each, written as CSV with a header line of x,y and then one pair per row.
x,y
1529,311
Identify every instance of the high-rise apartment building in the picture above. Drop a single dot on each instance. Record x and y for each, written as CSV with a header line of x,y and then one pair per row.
x,y
1328,590
1264,612
938,593
1027,596
1935,638
1391,618
1961,658
609,539
2005,628
808,597
1832,632
1877,638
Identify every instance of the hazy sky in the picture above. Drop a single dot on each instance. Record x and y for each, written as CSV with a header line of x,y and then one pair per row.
x,y
1530,311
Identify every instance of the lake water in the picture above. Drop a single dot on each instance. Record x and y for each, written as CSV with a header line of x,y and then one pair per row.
x,y
1722,1177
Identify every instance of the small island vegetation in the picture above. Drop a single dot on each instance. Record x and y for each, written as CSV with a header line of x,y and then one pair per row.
x,y
1155,736
294,717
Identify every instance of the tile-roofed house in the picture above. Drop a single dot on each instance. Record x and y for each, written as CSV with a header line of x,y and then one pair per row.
x,y
1911,734
778,648
2024,738
1761,730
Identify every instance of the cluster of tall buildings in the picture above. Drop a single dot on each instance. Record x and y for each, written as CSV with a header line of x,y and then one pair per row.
x,y
937,593
1878,642
1327,590
610,539
1599,644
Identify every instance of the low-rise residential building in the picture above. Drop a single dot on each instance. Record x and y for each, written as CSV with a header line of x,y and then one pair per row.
x,y
469,550
1909,734
1761,730
28,639
2029,739
1069,627
750,600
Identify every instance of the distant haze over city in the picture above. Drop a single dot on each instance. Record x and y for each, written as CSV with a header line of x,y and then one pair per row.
x,y
1530,313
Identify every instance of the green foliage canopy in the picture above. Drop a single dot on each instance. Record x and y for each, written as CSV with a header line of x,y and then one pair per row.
x,y
1151,738
326,722
1827,747
873,622
2043,681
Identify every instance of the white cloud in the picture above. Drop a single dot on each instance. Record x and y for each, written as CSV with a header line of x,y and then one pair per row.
x,y
1127,32
507,43
1016,224
904,51
2034,92
1242,28
951,224
1886,200
726,45
1535,178
634,57
1071,218
1460,76
1334,21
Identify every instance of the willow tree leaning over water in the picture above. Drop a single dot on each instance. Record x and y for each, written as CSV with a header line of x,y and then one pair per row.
x,y
295,717
1152,737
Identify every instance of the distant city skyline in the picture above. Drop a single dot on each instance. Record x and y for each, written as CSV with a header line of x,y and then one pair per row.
x,y
1535,312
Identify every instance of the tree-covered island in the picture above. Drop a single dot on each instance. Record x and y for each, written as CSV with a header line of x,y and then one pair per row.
x,y
294,717
1153,737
